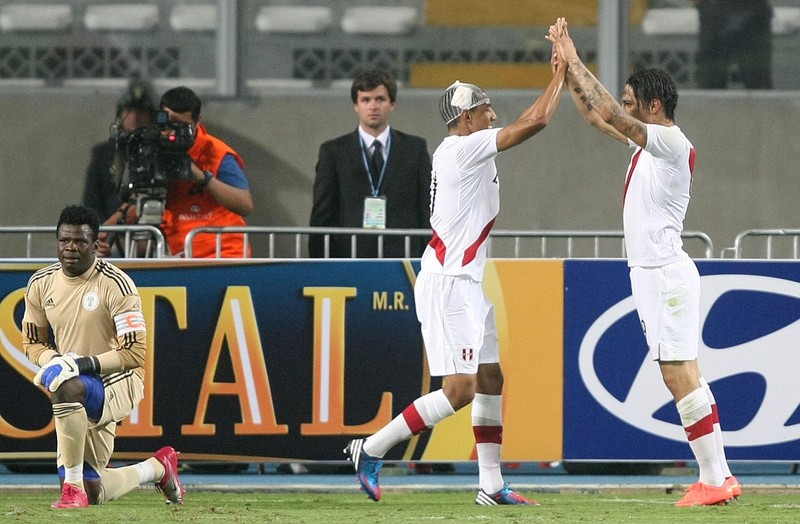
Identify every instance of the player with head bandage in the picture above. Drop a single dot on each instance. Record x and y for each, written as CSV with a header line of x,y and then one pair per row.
x,y
458,321
93,371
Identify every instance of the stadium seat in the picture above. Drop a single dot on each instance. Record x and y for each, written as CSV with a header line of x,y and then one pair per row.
x,y
115,85
380,20
686,21
270,84
35,17
785,20
193,17
24,83
671,21
121,17
294,19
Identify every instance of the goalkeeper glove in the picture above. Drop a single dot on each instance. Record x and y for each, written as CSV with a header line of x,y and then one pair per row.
x,y
63,368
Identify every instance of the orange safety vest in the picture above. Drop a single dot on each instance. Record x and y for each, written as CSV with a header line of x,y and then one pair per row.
x,y
187,209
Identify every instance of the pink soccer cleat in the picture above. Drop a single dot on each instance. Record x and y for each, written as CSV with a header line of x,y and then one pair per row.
x,y
170,485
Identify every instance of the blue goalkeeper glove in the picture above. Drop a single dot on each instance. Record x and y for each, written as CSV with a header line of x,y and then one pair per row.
x,y
62,368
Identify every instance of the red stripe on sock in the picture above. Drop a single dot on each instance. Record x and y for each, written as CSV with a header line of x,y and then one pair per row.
x,y
715,413
414,420
700,428
492,434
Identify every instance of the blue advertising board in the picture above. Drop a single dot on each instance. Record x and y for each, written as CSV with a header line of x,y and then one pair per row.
x,y
245,359
616,406
288,360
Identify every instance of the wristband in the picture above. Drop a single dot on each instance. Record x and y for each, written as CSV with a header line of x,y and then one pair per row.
x,y
208,176
88,365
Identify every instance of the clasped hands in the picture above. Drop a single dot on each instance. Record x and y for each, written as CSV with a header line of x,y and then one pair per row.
x,y
56,372
563,46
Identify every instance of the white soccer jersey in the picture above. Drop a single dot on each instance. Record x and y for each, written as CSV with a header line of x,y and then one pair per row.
x,y
657,191
465,200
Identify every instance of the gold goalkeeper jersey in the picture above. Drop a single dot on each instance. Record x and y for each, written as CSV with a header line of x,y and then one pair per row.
x,y
97,312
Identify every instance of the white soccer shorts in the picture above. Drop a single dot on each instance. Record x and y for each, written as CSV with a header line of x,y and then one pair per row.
x,y
667,299
458,325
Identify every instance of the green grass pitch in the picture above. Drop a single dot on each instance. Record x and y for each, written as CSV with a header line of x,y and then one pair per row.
x,y
145,506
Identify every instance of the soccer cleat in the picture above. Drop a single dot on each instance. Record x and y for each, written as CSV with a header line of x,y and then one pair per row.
x,y
505,496
736,488
170,485
367,468
71,497
701,494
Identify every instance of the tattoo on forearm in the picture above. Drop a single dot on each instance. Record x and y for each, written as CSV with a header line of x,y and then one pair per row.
x,y
596,97
591,92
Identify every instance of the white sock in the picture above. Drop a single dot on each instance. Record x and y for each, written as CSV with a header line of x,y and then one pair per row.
x,y
74,475
145,471
695,412
723,460
487,424
423,413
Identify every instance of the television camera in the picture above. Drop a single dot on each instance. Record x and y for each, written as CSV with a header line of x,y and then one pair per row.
x,y
146,159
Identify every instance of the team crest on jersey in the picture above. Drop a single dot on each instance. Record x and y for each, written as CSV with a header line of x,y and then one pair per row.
x,y
466,354
91,301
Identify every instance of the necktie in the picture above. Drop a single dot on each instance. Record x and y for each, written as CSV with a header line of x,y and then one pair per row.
x,y
376,163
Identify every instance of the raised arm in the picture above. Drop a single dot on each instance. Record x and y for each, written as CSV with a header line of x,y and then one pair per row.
x,y
593,118
537,116
593,100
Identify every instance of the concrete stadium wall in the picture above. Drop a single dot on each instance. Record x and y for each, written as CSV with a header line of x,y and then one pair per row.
x,y
568,177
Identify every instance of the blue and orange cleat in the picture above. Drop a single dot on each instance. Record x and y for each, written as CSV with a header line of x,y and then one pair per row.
x,y
505,496
367,468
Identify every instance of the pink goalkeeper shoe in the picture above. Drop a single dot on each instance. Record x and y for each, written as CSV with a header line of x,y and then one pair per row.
x,y
170,485
71,497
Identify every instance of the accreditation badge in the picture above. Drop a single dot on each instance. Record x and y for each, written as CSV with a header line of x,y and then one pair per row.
x,y
375,212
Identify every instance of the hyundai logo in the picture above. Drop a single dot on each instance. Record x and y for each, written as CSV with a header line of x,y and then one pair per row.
x,y
772,355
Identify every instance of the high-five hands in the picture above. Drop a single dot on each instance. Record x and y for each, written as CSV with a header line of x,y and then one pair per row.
x,y
564,47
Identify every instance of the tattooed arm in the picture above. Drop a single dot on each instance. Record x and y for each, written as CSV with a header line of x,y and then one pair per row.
x,y
593,100
593,117
588,105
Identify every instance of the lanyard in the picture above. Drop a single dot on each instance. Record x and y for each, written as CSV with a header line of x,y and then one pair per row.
x,y
365,159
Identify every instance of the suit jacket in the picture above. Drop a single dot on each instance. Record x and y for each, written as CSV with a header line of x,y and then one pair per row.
x,y
342,183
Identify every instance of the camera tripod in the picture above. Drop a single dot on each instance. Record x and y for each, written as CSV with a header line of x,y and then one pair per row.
x,y
150,204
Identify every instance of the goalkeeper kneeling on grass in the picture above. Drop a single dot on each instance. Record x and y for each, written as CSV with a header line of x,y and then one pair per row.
x,y
94,372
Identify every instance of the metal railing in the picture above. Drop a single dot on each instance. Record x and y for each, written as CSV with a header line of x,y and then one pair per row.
x,y
502,243
291,242
774,243
151,237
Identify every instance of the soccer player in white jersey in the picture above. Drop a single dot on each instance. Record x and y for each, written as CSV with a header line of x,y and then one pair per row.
x,y
664,280
458,323
93,370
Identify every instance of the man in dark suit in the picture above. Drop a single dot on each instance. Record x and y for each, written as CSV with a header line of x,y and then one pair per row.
x,y
374,177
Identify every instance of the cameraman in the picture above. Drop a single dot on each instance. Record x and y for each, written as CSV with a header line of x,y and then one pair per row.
x,y
135,109
216,194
